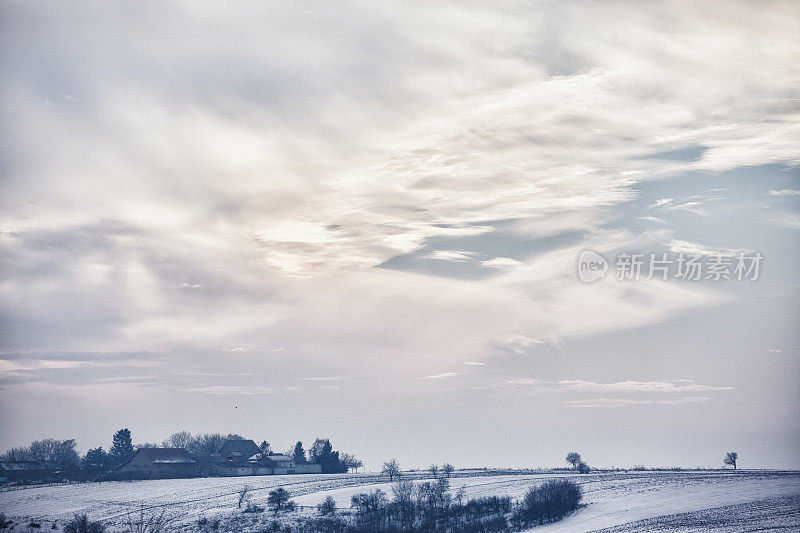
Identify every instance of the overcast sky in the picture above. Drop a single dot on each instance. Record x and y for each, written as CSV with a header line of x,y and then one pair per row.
x,y
362,221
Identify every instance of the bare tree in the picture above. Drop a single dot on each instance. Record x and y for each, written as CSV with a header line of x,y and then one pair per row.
x,y
181,439
243,494
17,454
448,469
351,461
149,520
730,459
573,458
391,468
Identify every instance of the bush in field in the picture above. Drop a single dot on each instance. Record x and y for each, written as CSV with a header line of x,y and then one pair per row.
x,y
327,507
573,458
253,508
82,524
244,494
148,520
4,522
548,502
583,468
328,524
278,499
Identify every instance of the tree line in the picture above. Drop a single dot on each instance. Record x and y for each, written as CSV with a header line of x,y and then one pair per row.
x,y
62,455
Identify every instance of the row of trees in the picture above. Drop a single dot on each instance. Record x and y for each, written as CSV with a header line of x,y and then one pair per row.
x,y
51,453
430,506
59,455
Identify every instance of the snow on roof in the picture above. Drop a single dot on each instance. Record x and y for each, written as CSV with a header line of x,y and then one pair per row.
x,y
278,458
21,465
162,456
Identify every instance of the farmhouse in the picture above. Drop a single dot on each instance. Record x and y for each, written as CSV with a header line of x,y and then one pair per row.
x,y
239,449
158,463
16,471
241,457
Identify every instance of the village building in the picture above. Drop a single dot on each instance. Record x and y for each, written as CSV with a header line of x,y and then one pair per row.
x,y
23,471
158,463
241,457
239,450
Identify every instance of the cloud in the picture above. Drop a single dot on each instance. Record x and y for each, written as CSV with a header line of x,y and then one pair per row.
x,y
785,220
784,192
443,375
595,403
688,399
693,248
519,344
636,386
474,363
606,402
500,262
451,255
652,219
227,390
240,189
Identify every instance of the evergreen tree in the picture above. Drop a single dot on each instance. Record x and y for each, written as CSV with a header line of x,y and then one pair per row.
x,y
94,462
322,453
122,447
299,454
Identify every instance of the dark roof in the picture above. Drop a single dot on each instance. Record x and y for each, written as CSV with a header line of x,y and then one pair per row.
x,y
21,465
162,455
278,458
245,448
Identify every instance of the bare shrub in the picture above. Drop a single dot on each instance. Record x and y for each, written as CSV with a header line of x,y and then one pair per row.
x,y
149,520
82,524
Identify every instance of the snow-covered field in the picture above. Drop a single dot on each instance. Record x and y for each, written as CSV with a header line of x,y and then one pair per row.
x,y
624,501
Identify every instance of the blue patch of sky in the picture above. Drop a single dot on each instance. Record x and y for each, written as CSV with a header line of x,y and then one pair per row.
x,y
739,212
501,242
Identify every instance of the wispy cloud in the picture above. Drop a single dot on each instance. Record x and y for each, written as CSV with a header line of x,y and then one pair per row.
x,y
784,192
500,262
694,248
226,390
443,375
451,255
637,386
519,344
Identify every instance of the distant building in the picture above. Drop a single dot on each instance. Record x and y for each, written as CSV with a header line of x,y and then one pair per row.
x,y
158,463
241,457
22,471
239,449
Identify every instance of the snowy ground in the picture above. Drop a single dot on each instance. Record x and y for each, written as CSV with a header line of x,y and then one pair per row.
x,y
633,501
